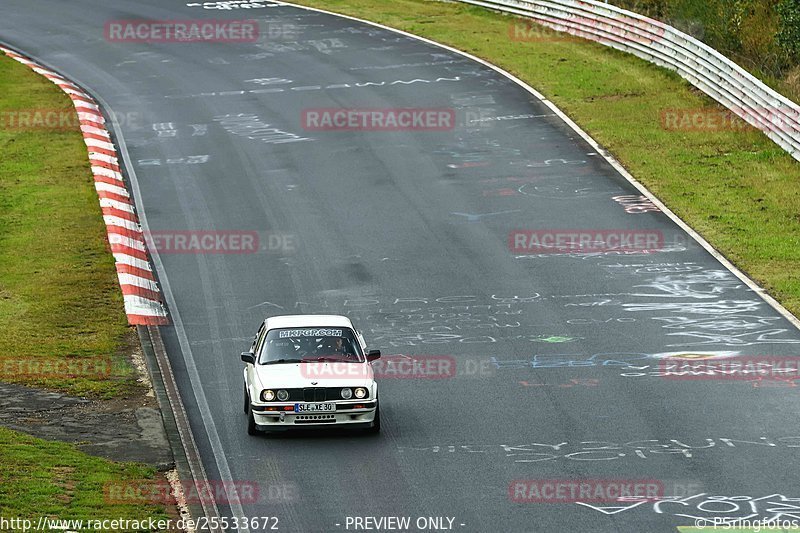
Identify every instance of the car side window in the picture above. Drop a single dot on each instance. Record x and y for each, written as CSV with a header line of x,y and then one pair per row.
x,y
259,340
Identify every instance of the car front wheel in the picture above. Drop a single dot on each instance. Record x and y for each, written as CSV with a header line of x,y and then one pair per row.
x,y
252,429
376,423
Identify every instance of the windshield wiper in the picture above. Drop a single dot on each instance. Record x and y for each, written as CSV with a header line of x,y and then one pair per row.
x,y
276,361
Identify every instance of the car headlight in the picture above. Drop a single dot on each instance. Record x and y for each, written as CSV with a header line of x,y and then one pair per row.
x,y
267,395
347,393
283,395
361,392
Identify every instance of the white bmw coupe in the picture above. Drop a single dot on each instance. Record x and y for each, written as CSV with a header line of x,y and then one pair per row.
x,y
309,371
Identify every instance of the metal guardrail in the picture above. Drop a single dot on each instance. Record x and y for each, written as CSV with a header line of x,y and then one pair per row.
x,y
699,64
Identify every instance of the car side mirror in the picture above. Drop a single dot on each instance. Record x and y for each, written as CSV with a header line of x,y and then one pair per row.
x,y
249,357
373,354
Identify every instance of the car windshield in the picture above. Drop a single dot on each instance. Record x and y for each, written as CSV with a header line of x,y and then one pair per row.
x,y
317,344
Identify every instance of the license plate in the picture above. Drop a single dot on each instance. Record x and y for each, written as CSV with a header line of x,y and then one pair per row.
x,y
314,407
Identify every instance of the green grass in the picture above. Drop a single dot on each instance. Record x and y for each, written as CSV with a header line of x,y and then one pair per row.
x,y
53,479
736,188
59,297
59,301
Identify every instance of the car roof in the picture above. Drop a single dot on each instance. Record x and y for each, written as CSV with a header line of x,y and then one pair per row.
x,y
308,321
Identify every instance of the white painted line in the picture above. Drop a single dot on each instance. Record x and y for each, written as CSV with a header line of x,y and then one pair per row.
x,y
76,92
23,61
111,220
116,238
617,166
103,158
209,425
48,73
87,105
130,279
107,172
136,305
92,117
62,83
95,131
108,202
100,186
95,143
129,260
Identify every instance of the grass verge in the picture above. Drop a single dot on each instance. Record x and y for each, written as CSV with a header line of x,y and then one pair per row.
x,y
735,187
53,479
62,323
59,303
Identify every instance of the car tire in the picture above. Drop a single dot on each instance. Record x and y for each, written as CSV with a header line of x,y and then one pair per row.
x,y
376,423
246,401
252,429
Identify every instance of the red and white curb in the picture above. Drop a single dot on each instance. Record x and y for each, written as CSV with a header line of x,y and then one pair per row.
x,y
143,299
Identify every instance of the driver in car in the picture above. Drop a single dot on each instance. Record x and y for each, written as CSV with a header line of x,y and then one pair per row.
x,y
336,347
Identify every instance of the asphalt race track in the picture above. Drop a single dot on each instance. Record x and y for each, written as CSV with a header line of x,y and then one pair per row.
x,y
557,354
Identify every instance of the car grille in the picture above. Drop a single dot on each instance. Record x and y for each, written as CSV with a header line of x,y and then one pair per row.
x,y
320,394
315,394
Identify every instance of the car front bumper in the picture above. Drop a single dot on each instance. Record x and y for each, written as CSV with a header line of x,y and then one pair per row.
x,y
345,415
